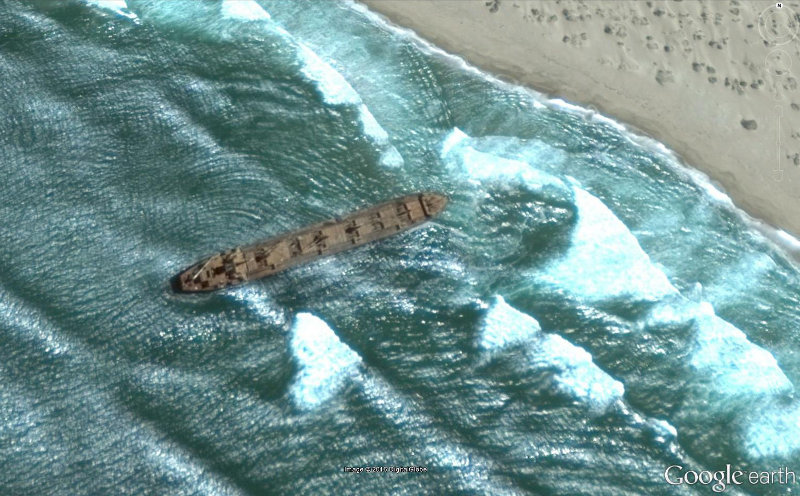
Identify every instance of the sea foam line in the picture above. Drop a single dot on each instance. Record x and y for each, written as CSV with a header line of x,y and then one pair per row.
x,y
778,238
333,87
336,90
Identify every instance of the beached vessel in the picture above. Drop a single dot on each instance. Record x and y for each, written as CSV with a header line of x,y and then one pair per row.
x,y
246,263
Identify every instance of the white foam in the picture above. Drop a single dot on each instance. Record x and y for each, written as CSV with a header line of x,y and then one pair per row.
x,y
726,363
335,90
576,375
503,326
119,7
734,365
702,180
482,167
324,362
664,429
243,9
788,240
565,105
773,432
391,158
453,139
604,259
371,126
333,87
259,301
671,311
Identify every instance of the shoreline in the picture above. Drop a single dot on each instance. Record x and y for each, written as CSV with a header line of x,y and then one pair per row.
x,y
756,168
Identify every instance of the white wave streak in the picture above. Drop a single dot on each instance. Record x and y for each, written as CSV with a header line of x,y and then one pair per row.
x,y
119,7
248,10
789,240
604,260
324,362
725,356
576,375
721,354
480,167
773,432
335,90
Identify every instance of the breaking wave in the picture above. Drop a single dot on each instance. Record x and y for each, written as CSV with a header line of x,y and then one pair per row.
x,y
604,263
637,306
332,86
324,362
573,370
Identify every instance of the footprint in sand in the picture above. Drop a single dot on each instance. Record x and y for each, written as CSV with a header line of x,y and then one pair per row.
x,y
493,5
664,76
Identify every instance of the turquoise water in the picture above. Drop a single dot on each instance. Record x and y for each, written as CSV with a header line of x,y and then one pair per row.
x,y
582,316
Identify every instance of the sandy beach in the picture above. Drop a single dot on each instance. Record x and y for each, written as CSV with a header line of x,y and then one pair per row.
x,y
715,81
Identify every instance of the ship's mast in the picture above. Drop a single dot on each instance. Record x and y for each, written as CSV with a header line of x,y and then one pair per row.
x,y
201,268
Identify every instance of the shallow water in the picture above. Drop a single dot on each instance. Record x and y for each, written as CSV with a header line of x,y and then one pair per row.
x,y
583,315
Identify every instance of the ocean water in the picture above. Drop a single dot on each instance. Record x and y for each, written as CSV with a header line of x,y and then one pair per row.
x,y
585,313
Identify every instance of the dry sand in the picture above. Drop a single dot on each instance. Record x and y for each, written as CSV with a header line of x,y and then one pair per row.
x,y
715,81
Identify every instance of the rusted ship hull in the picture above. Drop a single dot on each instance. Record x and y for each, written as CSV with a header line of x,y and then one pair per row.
x,y
246,263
